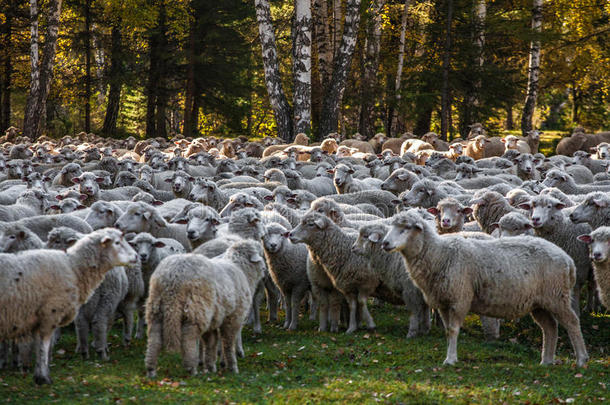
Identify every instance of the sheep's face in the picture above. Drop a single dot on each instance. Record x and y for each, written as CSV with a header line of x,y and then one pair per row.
x,y
144,247
34,180
316,155
309,227
510,142
65,206
457,149
343,175
237,202
139,218
62,239
466,171
544,211
322,171
12,239
202,191
274,238
399,180
327,208
202,224
115,249
602,151
283,195
226,165
289,163
369,238
127,165
250,220
15,169
180,182
405,235
589,208
599,244
178,163
88,184
125,179
450,214
418,195
555,178
101,215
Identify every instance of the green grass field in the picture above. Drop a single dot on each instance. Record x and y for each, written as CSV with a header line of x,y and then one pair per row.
x,y
367,367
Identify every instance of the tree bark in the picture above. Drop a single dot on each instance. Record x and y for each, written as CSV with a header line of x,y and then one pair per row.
x,y
301,62
368,83
88,66
533,69
277,97
42,72
393,111
116,82
509,117
336,26
342,63
575,104
445,102
470,107
190,79
5,107
156,97
322,39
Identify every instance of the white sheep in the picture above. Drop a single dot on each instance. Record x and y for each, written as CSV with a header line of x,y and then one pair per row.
x,y
43,289
346,184
502,278
599,244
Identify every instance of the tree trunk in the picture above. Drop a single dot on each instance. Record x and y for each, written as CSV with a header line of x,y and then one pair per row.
x,y
575,104
99,59
273,81
470,107
509,117
42,74
5,107
336,26
342,63
393,112
301,70
368,83
156,100
88,66
190,80
533,69
116,81
445,103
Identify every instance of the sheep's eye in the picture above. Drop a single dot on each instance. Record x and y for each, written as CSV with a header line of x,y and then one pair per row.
x,y
12,237
137,214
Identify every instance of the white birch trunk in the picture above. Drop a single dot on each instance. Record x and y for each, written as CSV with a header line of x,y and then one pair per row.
x,y
533,69
301,71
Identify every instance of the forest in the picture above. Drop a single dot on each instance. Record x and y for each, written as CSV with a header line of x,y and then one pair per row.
x,y
158,68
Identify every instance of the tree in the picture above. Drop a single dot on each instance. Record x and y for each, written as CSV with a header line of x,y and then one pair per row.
x,y
115,77
533,69
393,114
42,71
301,59
445,95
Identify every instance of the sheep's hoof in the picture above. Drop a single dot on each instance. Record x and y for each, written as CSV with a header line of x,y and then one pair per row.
x,y
42,379
240,354
351,330
582,362
286,325
151,374
449,362
293,327
547,362
257,330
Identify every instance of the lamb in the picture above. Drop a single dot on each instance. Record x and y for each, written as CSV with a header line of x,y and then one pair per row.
x,y
320,186
395,281
513,224
192,297
98,312
43,289
519,274
599,241
450,215
566,183
141,217
594,210
553,225
287,264
349,273
512,142
18,238
345,183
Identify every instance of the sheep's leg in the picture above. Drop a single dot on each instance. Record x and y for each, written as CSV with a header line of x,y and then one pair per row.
x,y
491,327
313,306
190,352
128,314
4,354
228,332
273,296
352,301
141,324
576,298
419,323
548,324
289,303
41,374
297,297
334,310
569,320
81,325
592,297
25,354
153,347
364,309
211,348
240,345
258,297
99,327
452,329
322,297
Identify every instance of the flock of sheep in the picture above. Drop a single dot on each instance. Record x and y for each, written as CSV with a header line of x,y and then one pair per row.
x,y
185,240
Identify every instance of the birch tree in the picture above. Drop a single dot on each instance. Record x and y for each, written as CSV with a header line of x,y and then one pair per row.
x,y
42,70
277,97
341,66
393,116
301,70
445,96
533,69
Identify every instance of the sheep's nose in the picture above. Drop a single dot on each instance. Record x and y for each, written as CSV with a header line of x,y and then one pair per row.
x,y
144,257
535,220
572,217
446,221
191,234
597,256
273,246
385,245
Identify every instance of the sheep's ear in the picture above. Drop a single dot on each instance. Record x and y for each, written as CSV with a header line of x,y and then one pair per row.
x,y
585,238
106,240
286,234
21,234
418,226
159,244
593,149
54,207
268,198
560,206
157,202
71,241
494,226
600,203
181,221
396,201
76,180
525,206
564,177
330,171
168,180
433,211
374,237
503,140
256,258
466,210
80,207
320,223
82,197
215,222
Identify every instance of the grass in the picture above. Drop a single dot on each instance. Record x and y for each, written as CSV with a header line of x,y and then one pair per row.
x,y
311,367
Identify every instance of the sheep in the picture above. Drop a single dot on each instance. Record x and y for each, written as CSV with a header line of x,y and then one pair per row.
x,y
426,193
125,178
345,183
568,145
488,208
450,215
525,164
43,289
193,297
41,225
476,147
207,192
18,238
66,174
552,224
319,186
502,278
414,146
65,206
599,241
395,281
201,223
181,183
602,151
379,198
349,273
584,159
141,217
292,215
594,210
514,143
400,180
275,175
161,195
566,183
238,201
28,204
287,264
89,185
513,224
